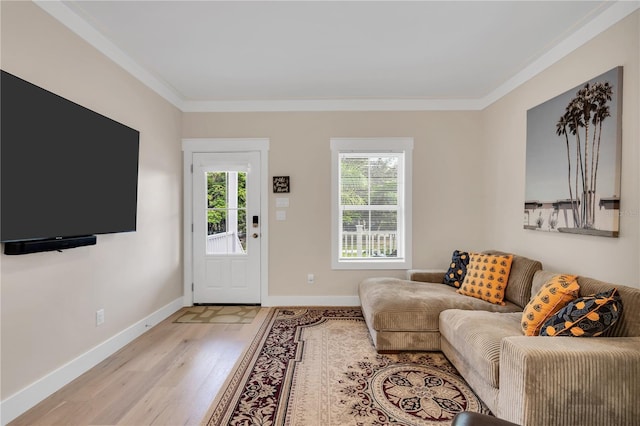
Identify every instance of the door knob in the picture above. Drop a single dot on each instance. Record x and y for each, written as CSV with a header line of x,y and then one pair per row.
x,y
255,235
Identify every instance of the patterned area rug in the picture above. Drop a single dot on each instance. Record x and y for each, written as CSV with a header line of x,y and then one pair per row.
x,y
317,366
219,314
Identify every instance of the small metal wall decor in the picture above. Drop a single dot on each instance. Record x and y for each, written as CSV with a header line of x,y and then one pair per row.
x,y
280,184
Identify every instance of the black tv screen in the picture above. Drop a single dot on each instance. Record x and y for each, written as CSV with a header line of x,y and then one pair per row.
x,y
66,171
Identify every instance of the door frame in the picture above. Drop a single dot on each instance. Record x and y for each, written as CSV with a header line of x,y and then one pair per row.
x,y
226,145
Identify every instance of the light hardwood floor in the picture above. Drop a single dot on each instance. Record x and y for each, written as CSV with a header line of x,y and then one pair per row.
x,y
168,376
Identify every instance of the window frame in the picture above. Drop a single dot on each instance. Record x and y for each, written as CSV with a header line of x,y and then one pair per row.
x,y
401,145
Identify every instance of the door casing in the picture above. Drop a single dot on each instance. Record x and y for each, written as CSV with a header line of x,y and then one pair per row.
x,y
213,145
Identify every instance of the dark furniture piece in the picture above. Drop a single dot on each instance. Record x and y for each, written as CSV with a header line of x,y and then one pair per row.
x,y
467,418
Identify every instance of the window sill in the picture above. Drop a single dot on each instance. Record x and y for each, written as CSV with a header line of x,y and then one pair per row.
x,y
370,264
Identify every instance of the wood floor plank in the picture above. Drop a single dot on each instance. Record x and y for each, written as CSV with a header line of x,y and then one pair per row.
x,y
168,376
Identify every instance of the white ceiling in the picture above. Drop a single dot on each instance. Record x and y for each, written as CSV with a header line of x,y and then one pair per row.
x,y
216,55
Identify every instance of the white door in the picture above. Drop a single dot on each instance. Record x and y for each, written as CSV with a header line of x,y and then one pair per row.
x,y
226,227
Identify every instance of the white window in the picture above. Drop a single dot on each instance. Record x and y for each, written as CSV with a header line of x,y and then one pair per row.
x,y
371,203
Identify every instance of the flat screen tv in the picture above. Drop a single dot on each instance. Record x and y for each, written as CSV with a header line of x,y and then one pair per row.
x,y
66,171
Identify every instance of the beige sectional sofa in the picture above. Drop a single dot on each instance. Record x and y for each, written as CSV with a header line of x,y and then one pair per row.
x,y
529,380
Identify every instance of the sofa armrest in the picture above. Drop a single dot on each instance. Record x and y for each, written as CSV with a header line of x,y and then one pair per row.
x,y
426,275
569,380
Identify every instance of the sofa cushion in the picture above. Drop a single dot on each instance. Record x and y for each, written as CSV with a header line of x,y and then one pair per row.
x,y
457,269
552,296
520,278
487,277
540,278
476,335
391,304
585,316
426,275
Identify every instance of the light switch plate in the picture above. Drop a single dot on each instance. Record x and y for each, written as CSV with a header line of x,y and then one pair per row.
x,y
282,202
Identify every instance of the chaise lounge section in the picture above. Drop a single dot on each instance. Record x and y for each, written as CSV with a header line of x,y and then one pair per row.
x,y
403,315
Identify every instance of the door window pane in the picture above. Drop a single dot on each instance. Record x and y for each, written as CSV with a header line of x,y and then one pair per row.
x,y
226,213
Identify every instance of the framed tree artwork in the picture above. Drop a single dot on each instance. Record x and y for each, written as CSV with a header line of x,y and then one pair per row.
x,y
574,140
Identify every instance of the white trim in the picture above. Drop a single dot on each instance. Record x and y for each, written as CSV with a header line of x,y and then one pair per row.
x,y
21,401
75,23
609,17
391,104
612,15
197,145
311,301
187,227
378,144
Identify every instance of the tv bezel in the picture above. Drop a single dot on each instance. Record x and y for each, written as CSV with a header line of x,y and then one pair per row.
x,y
66,239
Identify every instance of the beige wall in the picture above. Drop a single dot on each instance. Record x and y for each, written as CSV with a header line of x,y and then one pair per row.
x,y
614,259
49,300
447,194
459,202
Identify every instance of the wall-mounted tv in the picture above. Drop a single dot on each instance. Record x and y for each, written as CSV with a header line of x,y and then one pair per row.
x,y
66,171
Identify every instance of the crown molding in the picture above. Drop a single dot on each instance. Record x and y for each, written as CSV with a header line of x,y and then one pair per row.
x,y
333,105
75,23
600,23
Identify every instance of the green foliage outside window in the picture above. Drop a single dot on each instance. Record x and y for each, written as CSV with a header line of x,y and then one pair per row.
x,y
369,181
217,187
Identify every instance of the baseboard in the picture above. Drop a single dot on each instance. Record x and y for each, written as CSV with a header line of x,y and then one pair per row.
x,y
311,301
18,403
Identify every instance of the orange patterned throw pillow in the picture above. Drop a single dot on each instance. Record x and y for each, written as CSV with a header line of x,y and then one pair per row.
x,y
487,277
554,295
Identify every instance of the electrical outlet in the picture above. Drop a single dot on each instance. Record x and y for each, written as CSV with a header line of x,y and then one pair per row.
x,y
99,317
310,279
